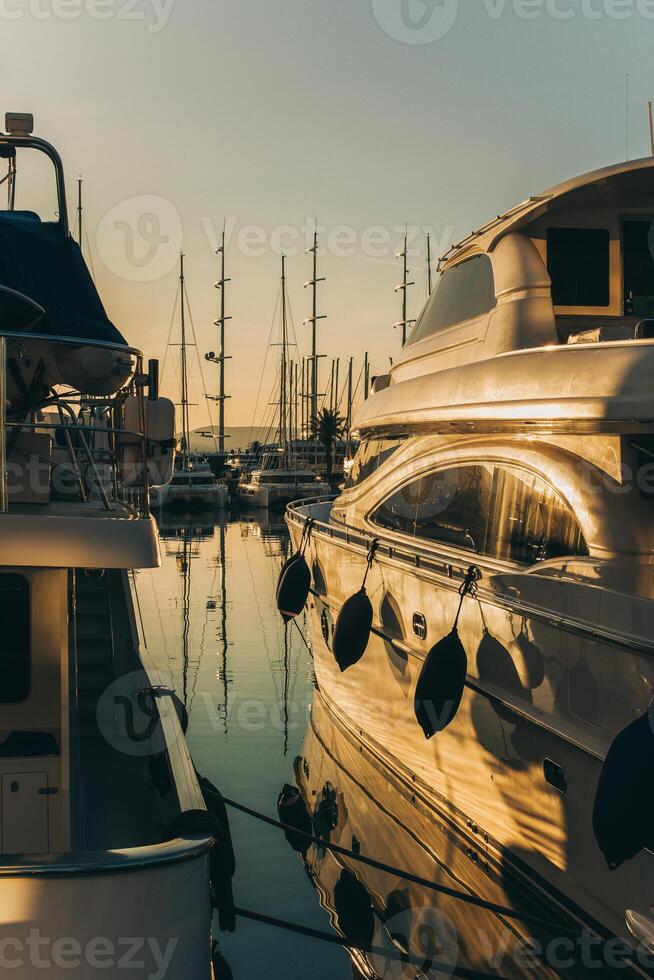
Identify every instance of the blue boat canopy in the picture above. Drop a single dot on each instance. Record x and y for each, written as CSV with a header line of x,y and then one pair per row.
x,y
41,261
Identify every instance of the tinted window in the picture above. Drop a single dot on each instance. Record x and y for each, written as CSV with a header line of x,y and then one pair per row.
x,y
370,456
487,509
15,644
463,292
578,264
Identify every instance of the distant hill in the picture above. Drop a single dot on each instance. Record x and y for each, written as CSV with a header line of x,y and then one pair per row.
x,y
236,437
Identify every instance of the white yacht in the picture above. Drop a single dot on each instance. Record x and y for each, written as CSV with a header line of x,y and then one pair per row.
x,y
505,471
277,481
104,830
192,485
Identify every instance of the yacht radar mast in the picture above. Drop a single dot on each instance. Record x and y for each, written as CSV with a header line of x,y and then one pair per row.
x,y
403,288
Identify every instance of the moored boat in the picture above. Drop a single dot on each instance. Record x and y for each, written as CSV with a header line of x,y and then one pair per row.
x,y
501,500
104,829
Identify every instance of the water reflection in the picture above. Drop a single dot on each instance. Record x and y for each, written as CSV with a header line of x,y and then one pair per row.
x,y
351,800
247,680
213,630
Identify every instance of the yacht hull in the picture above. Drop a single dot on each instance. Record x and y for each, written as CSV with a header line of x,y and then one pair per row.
x,y
536,692
81,923
190,497
276,498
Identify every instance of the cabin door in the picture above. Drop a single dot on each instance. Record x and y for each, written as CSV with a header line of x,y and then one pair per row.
x,y
25,813
638,268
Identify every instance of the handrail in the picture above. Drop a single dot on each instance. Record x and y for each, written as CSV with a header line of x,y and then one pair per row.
x,y
422,560
34,143
70,341
123,486
116,860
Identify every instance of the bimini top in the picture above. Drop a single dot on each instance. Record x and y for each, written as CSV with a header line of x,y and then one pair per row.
x,y
44,282
628,182
39,261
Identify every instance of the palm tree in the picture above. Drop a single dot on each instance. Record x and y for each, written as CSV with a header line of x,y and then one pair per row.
x,y
328,427
254,447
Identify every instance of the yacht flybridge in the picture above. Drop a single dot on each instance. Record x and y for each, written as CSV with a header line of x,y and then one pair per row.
x,y
104,829
500,515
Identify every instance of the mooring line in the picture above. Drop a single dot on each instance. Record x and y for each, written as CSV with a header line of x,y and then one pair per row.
x,y
424,962
454,893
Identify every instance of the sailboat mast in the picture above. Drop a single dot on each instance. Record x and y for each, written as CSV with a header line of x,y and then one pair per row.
x,y
220,322
349,396
313,320
283,369
184,375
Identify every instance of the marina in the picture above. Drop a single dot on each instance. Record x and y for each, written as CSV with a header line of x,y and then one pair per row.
x,y
327,526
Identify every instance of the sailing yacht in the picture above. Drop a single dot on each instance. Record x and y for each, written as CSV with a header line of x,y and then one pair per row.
x,y
193,484
501,502
280,477
104,830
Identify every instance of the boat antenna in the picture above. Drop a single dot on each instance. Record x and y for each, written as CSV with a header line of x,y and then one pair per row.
x,y
79,213
366,375
403,288
429,269
348,420
185,413
627,120
221,397
313,320
650,106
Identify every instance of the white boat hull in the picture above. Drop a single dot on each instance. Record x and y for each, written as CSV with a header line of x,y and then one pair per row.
x,y
278,497
214,497
485,772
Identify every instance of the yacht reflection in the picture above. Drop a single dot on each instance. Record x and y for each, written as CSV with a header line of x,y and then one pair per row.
x,y
348,798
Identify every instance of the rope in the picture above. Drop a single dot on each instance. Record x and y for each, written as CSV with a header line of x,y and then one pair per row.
x,y
424,962
464,897
468,587
369,560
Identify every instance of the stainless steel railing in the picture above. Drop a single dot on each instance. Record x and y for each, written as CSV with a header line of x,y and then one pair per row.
x,y
80,436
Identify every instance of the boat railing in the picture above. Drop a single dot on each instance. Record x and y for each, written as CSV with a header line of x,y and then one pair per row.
x,y
116,860
99,442
420,560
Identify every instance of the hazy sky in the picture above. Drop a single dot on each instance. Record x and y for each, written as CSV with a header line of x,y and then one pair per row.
x,y
265,113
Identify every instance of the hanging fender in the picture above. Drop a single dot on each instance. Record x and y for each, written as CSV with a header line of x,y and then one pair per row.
x,y
443,676
292,811
624,801
294,580
354,623
222,861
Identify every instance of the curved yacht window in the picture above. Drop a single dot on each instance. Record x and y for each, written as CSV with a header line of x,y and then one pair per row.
x,y
15,657
462,293
369,457
488,509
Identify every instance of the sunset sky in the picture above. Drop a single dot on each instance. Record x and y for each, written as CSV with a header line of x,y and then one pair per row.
x,y
182,114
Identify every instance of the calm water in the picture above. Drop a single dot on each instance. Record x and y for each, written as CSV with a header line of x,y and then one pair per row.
x,y
214,632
